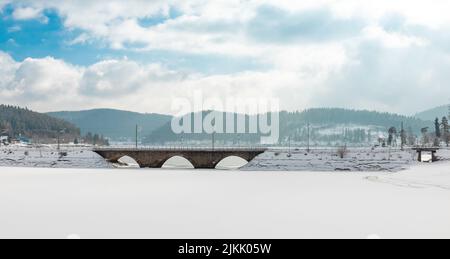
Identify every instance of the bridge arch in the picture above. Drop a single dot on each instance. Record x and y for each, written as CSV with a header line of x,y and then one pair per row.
x,y
231,162
128,161
177,161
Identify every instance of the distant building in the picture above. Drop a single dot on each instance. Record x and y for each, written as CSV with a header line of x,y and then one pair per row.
x,y
23,140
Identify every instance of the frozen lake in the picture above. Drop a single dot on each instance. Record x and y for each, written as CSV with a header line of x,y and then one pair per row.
x,y
44,194
109,203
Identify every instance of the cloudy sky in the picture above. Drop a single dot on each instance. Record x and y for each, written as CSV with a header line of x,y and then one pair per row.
x,y
387,55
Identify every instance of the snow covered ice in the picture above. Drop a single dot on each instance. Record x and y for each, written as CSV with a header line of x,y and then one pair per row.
x,y
100,203
97,202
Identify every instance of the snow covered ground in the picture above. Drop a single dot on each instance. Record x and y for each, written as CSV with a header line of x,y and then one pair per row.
x,y
49,156
108,203
328,159
356,159
46,194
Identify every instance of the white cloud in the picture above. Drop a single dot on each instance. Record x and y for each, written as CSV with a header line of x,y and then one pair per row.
x,y
44,79
208,26
26,13
318,52
122,77
50,84
29,13
7,69
13,29
403,82
224,27
392,39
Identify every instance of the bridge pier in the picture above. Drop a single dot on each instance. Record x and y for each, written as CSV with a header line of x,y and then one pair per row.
x,y
200,159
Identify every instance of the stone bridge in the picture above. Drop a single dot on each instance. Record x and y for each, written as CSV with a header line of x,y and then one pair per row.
x,y
200,158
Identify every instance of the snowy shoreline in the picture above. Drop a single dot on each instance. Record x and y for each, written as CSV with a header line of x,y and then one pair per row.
x,y
51,157
275,159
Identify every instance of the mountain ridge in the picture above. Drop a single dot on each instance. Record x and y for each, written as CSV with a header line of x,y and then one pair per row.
x,y
121,125
113,123
15,121
328,124
433,113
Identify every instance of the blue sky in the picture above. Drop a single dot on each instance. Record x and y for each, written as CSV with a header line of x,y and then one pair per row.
x,y
70,55
36,39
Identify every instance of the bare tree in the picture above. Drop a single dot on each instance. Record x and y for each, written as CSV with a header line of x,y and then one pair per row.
x,y
342,152
425,137
445,130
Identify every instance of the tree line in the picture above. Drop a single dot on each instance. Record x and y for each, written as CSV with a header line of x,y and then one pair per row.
x,y
440,135
15,121
18,122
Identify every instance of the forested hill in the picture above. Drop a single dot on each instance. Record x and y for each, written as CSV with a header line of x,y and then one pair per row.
x,y
165,133
326,124
114,124
432,114
336,116
15,121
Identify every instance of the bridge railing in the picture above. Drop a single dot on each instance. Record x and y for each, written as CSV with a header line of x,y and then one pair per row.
x,y
181,148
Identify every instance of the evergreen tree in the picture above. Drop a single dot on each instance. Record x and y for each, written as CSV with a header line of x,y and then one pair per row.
x,y
445,132
392,133
437,127
15,121
403,136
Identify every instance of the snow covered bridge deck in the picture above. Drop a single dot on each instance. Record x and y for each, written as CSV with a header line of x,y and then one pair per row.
x,y
200,158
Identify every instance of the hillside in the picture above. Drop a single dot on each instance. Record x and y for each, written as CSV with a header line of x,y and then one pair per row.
x,y
334,125
432,114
114,124
327,125
331,117
165,134
15,121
